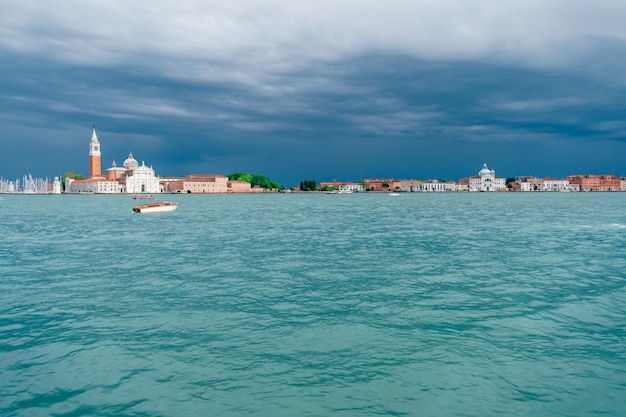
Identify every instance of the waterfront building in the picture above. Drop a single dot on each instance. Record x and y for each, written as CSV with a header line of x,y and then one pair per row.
x,y
463,183
591,182
199,184
410,186
91,186
138,178
530,183
239,187
344,186
554,184
381,184
486,180
115,173
354,187
206,184
437,186
514,186
131,178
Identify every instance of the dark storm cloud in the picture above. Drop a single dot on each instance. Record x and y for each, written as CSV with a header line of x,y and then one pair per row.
x,y
295,93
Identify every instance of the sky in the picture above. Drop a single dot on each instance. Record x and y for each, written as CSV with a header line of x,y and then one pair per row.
x,y
324,90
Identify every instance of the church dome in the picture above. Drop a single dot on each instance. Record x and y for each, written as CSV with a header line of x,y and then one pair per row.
x,y
114,167
484,171
131,162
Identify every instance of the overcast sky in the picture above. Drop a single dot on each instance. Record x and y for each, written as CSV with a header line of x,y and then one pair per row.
x,y
315,89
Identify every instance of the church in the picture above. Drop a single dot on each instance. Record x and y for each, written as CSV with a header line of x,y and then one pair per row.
x,y
130,178
486,180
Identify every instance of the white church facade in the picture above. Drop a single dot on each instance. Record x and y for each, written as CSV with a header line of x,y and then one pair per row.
x,y
486,181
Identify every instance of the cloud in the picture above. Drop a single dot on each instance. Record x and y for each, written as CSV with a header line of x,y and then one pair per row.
x,y
409,87
283,36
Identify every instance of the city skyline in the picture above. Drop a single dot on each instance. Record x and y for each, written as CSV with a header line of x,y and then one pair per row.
x,y
315,90
96,172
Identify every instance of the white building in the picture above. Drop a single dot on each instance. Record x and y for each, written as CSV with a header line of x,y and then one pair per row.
x,y
355,187
530,183
555,184
138,178
437,186
344,186
91,186
486,180
56,186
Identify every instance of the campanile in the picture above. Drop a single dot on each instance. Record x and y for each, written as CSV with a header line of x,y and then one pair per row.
x,y
94,156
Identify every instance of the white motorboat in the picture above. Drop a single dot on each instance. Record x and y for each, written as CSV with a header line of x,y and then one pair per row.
x,y
155,207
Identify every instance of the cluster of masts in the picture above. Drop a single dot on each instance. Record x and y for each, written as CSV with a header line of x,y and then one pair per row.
x,y
27,185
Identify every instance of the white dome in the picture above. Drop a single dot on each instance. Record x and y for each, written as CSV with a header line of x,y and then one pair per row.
x,y
131,162
484,171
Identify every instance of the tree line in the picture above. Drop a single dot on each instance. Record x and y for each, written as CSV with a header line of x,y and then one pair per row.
x,y
308,185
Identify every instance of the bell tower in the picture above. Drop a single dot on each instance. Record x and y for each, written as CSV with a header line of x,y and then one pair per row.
x,y
94,156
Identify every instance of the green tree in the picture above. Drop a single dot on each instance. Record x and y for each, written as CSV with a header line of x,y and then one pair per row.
x,y
509,181
256,180
71,174
308,185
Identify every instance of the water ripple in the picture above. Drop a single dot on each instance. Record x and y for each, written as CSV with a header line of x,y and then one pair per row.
x,y
314,305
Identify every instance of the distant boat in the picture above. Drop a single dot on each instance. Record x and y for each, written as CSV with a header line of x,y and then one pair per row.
x,y
394,194
143,197
155,207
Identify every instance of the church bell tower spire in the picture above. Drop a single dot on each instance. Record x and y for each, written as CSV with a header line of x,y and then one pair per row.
x,y
94,155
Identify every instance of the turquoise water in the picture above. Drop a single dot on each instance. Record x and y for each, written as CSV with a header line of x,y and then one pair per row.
x,y
483,304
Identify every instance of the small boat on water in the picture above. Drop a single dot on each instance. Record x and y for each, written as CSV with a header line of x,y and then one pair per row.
x,y
394,194
143,197
155,207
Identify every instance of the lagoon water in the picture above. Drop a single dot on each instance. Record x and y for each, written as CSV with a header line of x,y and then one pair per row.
x,y
489,304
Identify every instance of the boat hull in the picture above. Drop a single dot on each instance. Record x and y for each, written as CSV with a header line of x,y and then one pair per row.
x,y
155,207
